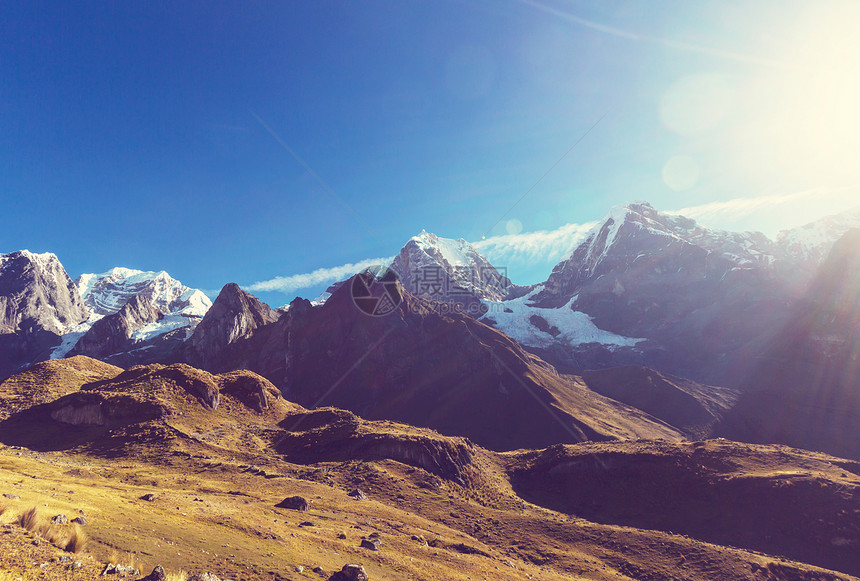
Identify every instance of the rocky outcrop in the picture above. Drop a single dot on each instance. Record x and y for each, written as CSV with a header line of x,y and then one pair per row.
x,y
38,301
112,334
723,492
350,573
333,435
253,391
235,314
104,409
155,404
49,380
294,503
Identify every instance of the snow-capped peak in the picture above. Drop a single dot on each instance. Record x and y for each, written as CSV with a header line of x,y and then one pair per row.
x,y
453,252
107,292
459,266
43,259
812,242
744,250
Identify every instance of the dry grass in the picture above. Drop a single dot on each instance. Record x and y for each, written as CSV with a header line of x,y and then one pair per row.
x,y
70,538
177,576
77,540
32,521
124,559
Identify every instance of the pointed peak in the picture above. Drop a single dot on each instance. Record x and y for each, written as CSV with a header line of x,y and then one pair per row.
x,y
120,272
425,237
643,204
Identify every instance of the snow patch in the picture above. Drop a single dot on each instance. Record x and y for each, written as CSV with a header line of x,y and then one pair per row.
x,y
165,325
71,337
513,318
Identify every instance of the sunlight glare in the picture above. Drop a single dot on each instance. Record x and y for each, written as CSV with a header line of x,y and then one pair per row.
x,y
810,111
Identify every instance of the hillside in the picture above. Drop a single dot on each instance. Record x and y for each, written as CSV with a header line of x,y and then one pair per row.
x,y
218,453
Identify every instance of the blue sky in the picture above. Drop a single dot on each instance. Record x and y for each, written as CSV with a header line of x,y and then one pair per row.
x,y
247,141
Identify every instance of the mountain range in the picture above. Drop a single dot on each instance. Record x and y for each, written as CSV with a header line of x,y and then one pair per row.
x,y
654,326
673,402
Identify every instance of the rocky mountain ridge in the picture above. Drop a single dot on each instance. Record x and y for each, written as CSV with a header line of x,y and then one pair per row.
x,y
665,292
106,293
644,288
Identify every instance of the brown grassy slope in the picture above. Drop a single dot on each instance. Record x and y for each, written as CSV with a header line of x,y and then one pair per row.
x,y
218,472
48,380
768,498
148,407
213,514
23,560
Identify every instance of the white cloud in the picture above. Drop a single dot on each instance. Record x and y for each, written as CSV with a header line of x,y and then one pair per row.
x,y
770,214
742,206
288,284
542,246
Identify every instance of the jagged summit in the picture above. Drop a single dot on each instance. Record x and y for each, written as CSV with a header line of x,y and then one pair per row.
x,y
234,314
106,293
638,233
448,270
130,298
38,301
113,333
811,243
36,293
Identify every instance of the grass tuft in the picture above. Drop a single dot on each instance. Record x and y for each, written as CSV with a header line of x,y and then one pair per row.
x,y
177,576
31,520
77,540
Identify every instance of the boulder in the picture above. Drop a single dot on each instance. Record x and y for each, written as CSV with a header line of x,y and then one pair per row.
x,y
157,574
294,503
349,573
372,544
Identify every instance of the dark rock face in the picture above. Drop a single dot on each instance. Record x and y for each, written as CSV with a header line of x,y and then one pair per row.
x,y
112,334
37,301
235,314
805,391
703,299
689,406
